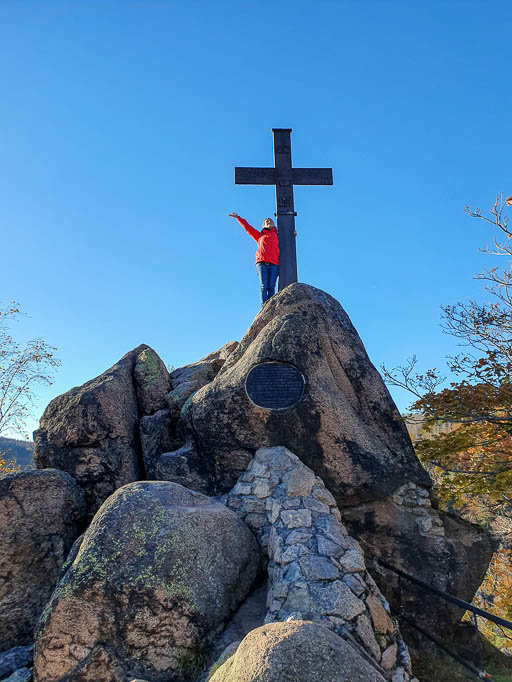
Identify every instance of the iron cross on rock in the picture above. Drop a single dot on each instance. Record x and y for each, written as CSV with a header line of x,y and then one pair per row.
x,y
284,177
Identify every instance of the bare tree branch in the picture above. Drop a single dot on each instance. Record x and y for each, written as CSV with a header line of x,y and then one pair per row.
x,y
22,368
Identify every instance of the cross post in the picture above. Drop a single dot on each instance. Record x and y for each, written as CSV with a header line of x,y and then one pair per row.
x,y
284,177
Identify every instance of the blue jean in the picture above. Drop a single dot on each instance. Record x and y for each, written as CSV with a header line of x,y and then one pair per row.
x,y
267,274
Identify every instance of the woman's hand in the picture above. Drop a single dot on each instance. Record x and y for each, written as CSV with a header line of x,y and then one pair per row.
x,y
233,215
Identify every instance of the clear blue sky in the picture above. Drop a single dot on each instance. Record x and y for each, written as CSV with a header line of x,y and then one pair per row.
x,y
121,122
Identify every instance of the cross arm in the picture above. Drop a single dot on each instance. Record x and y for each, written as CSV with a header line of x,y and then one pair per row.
x,y
312,176
256,176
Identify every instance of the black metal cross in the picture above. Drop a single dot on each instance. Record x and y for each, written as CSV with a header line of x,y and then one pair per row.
x,y
284,177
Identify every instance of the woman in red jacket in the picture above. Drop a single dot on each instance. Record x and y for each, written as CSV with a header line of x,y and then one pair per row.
x,y
267,254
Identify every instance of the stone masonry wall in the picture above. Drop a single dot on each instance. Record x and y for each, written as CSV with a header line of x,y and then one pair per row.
x,y
316,570
417,499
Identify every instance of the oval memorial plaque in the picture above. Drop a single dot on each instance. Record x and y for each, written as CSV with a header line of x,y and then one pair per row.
x,y
275,385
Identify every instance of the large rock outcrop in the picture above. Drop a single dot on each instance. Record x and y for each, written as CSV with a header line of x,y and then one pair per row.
x,y
113,429
444,551
345,426
157,575
92,430
300,378
297,651
40,516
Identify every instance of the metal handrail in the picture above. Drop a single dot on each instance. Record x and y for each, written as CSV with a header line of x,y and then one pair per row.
x,y
448,597
480,674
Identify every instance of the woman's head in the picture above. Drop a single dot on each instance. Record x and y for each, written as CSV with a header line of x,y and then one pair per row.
x,y
268,224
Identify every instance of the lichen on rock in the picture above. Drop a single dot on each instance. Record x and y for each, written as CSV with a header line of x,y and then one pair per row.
x,y
152,381
158,573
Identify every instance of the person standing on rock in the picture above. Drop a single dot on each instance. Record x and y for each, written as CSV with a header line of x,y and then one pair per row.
x,y
267,254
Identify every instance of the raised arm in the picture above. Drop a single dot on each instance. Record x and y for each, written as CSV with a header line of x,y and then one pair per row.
x,y
248,228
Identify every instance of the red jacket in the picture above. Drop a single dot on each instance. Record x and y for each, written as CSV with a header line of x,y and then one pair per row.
x,y
268,243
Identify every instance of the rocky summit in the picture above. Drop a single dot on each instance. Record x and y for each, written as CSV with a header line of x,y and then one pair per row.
x,y
345,426
225,520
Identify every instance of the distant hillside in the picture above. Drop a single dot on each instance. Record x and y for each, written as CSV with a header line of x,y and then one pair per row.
x,y
20,450
415,426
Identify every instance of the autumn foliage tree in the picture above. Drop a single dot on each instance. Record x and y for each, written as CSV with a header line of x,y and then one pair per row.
x,y
471,463
474,458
